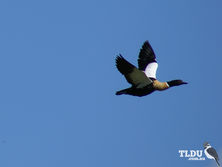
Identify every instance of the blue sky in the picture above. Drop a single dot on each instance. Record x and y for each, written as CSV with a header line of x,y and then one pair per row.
x,y
58,81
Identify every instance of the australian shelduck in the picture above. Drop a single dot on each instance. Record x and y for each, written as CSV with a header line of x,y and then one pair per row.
x,y
143,79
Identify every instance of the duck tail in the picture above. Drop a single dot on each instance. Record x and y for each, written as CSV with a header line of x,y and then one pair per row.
x,y
124,91
217,162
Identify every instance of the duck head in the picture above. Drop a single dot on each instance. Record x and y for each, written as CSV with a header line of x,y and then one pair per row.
x,y
206,144
176,82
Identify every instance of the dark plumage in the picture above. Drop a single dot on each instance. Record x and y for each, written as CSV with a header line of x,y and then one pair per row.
x,y
146,56
143,79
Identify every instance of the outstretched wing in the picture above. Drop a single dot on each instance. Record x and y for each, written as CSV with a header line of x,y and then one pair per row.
x,y
213,152
132,74
146,56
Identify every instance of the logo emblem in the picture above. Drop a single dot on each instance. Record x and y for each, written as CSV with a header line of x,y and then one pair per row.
x,y
192,154
211,153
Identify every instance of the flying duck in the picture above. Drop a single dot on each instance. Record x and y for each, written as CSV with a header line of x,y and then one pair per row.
x,y
143,79
211,153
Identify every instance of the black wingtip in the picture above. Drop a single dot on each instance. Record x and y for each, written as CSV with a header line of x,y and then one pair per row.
x,y
123,65
119,57
146,55
146,43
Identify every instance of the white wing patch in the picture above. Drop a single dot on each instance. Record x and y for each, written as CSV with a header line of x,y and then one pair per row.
x,y
150,70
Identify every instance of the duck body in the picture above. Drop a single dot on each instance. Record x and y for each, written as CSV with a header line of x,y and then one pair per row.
x,y
148,89
143,79
137,91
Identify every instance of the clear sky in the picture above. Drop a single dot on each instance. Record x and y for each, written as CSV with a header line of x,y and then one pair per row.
x,y
58,81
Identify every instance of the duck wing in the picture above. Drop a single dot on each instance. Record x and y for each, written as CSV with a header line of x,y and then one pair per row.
x,y
146,56
133,75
